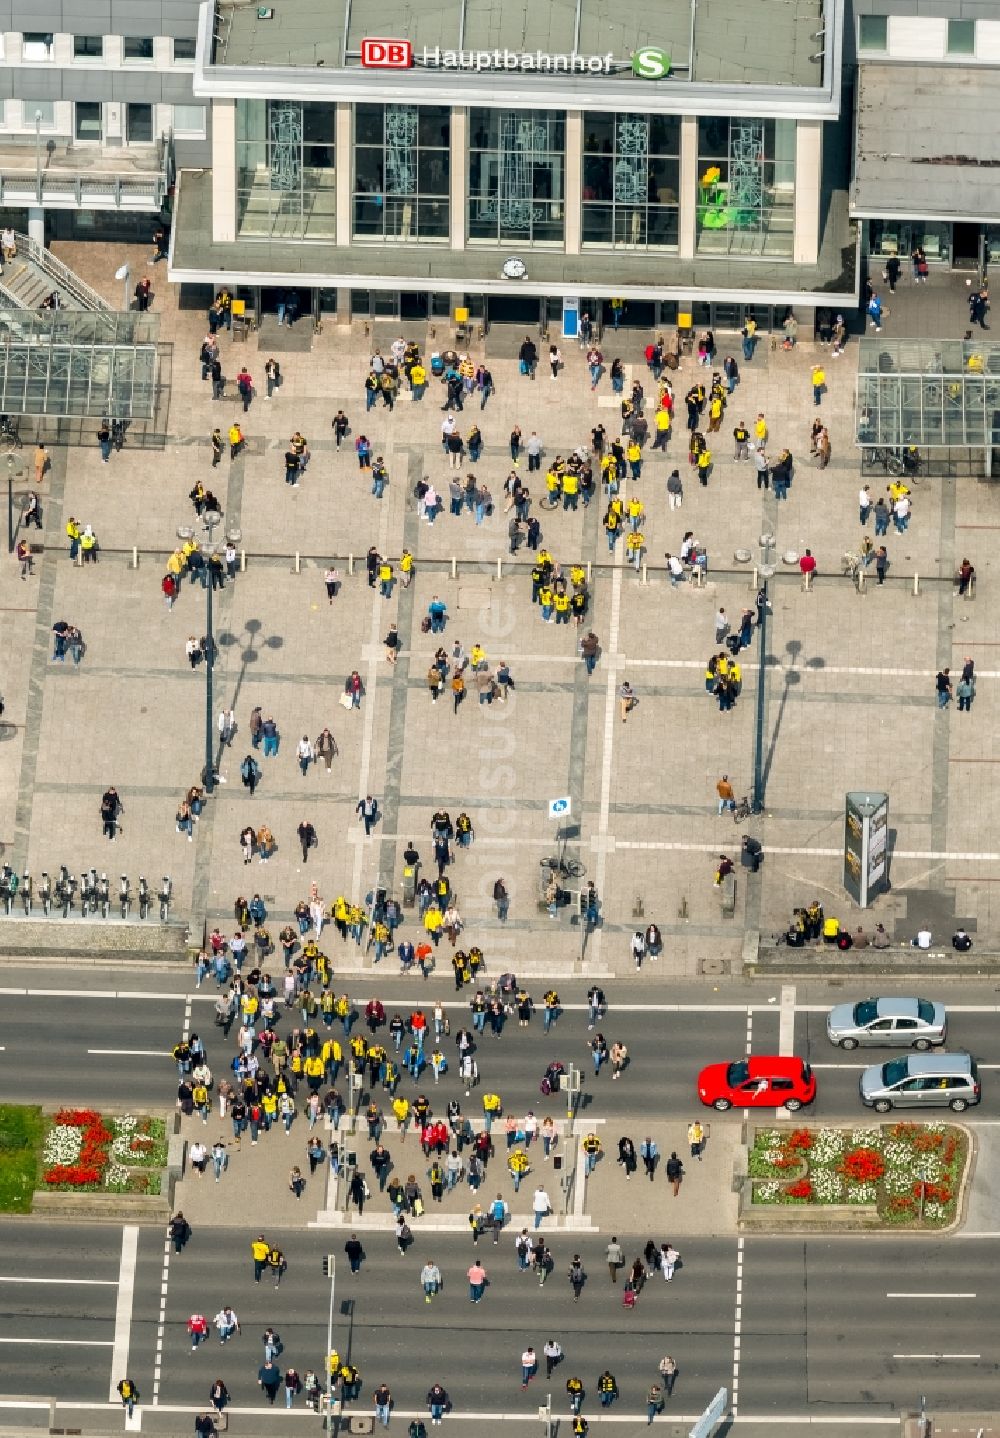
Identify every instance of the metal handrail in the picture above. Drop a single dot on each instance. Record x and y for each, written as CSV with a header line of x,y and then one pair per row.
x,y
62,274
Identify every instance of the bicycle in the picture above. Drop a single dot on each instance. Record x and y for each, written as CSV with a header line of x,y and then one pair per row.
x,y
9,432
565,868
743,810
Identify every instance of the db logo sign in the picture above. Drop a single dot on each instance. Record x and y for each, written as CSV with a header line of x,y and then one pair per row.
x,y
386,54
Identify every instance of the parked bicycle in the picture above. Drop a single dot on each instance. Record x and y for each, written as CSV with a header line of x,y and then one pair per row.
x,y
565,868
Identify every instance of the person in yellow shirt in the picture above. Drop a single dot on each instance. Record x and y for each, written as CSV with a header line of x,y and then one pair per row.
x,y
634,456
635,544
401,1113
561,602
704,465
385,579
715,408
635,511
477,657
570,489
545,599
818,382
661,423
406,568
236,439
433,920
418,379
760,431
552,485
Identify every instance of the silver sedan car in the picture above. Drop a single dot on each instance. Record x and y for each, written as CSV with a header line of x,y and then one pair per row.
x,y
887,1023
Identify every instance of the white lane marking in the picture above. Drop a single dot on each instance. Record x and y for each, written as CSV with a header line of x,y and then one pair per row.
x,y
134,1424
63,1343
805,672
133,1053
930,1295
786,1021
187,1019
737,1328
608,740
162,1319
853,1420
938,1356
123,1310
90,1282
670,845
362,846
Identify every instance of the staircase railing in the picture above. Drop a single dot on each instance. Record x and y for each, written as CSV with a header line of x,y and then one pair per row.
x,y
62,275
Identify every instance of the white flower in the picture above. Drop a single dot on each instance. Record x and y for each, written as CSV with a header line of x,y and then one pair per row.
x,y
63,1143
866,1138
828,1147
765,1192
828,1186
936,1211
861,1193
116,1177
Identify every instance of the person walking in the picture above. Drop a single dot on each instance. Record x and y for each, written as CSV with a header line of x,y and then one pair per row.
x,y
668,1372
654,1402
438,1402
382,1401
607,1388
477,1281
529,1366
430,1278
129,1394
269,1379
577,1277
674,1170
615,1258
942,684
696,1139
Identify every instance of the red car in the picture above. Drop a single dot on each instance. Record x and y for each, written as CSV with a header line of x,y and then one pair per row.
x,y
770,1081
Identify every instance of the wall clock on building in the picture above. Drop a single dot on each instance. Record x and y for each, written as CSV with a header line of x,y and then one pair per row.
x,y
514,269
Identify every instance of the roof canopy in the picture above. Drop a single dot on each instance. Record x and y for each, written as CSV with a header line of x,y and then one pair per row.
x,y
935,394
927,144
78,363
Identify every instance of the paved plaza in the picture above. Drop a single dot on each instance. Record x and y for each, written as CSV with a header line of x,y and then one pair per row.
x,y
849,686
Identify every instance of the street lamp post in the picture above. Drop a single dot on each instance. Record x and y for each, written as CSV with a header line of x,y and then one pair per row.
x,y
38,156
330,1271
209,703
758,745
13,467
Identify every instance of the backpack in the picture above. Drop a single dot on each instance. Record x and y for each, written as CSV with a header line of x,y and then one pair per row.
x,y
497,1209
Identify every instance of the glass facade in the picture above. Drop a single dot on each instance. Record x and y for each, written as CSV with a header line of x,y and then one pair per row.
x,y
517,172
285,172
746,187
401,172
901,237
631,177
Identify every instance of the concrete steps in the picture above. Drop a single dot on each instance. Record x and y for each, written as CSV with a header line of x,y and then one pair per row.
x,y
92,938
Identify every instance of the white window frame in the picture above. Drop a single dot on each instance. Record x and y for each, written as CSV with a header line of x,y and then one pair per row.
x,y
182,132
77,140
133,60
28,108
870,49
38,54
88,59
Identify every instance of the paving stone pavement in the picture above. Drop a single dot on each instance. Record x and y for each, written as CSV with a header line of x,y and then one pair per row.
x,y
849,693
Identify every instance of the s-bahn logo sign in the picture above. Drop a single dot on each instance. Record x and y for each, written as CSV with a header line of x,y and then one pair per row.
x,y
379,53
649,63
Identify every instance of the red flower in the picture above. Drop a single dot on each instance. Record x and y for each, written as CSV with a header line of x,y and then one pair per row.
x,y
801,1189
78,1117
863,1165
76,1175
800,1139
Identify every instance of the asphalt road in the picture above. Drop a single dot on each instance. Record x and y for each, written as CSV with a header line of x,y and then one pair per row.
x,y
112,1046
829,1329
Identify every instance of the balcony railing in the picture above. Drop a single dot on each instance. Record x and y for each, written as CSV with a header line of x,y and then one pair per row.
x,y
65,176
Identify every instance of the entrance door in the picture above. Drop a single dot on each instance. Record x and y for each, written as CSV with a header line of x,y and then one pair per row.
x,y
414,305
965,247
525,311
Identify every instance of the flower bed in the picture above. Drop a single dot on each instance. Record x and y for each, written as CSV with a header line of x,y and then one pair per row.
x,y
910,1172
84,1152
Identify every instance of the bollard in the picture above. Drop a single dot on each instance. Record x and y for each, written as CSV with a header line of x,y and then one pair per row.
x,y
298,563
916,586
589,572
645,574
350,565
807,581
753,579
862,580
79,559
135,557
243,561
499,566
454,567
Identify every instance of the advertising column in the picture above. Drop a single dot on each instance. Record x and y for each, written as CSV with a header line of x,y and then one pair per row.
x,y
866,856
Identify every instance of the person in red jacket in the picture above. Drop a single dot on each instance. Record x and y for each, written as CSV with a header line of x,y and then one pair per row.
x,y
807,563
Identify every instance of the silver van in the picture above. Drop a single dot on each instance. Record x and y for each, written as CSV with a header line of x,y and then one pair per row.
x,y
922,1081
